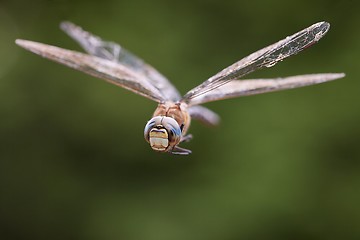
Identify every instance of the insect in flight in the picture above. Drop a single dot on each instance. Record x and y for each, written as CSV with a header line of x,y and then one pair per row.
x,y
171,119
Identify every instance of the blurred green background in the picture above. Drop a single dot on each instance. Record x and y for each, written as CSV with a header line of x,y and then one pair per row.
x,y
73,161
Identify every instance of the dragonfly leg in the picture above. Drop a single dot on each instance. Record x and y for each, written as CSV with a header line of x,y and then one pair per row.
x,y
180,151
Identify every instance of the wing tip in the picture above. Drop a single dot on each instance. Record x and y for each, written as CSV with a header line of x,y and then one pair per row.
x,y
65,25
24,43
338,75
325,23
326,77
323,26
20,42
41,49
29,45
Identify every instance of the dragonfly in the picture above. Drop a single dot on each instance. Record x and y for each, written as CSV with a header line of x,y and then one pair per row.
x,y
170,122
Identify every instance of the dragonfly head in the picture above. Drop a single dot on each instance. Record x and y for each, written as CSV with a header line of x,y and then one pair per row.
x,y
162,133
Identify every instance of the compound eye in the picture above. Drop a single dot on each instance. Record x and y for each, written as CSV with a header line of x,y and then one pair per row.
x,y
173,129
151,124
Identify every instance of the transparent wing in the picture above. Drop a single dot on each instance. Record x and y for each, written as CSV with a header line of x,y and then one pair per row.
x,y
110,71
204,115
94,45
266,57
237,88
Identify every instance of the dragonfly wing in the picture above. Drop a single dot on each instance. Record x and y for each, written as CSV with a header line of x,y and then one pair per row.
x,y
266,57
237,88
94,45
110,71
204,115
